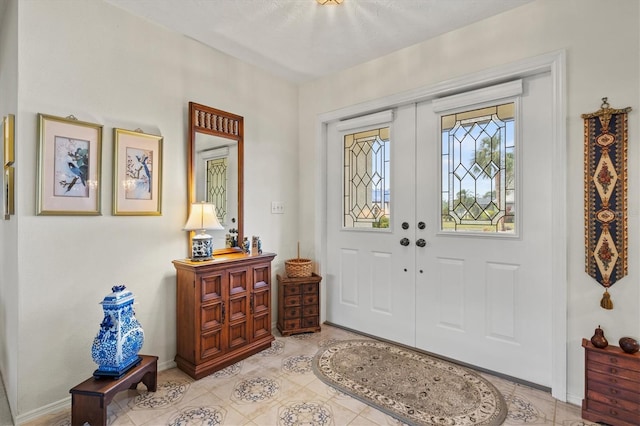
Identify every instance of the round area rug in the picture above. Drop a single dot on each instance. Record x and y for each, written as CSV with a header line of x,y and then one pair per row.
x,y
413,387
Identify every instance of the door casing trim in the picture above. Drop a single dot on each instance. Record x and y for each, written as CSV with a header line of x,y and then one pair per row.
x,y
555,64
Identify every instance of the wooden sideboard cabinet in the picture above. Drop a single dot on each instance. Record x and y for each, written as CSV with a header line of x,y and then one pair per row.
x,y
611,386
223,311
298,304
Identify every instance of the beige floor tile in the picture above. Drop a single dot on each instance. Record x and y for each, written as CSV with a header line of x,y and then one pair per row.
x,y
286,365
570,415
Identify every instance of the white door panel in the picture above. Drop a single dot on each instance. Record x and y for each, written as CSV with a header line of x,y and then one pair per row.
x,y
485,301
371,279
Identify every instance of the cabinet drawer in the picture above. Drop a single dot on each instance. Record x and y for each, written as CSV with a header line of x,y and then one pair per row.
x,y
615,401
309,310
310,299
292,301
290,313
608,384
310,321
613,412
291,324
614,360
615,371
291,289
310,288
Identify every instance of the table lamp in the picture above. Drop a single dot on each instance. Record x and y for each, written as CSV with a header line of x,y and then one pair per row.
x,y
201,218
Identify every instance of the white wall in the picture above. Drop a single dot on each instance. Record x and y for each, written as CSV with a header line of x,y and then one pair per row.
x,y
602,45
102,65
8,229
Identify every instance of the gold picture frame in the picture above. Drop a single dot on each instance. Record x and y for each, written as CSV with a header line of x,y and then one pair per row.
x,y
8,130
69,166
9,203
137,173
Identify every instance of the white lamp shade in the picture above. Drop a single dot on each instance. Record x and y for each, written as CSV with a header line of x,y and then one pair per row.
x,y
203,216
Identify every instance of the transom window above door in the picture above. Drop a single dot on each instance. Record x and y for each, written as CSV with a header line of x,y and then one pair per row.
x,y
478,170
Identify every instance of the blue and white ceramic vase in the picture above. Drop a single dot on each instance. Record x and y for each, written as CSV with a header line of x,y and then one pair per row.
x,y
115,348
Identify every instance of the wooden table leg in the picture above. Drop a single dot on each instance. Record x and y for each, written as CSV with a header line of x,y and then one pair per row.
x,y
89,409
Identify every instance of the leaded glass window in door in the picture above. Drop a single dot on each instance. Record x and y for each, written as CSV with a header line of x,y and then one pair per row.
x,y
478,170
367,179
217,186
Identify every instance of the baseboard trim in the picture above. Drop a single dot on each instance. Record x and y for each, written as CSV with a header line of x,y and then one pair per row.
x,y
65,403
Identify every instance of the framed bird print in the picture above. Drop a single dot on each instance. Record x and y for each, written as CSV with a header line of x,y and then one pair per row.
x,y
137,173
69,160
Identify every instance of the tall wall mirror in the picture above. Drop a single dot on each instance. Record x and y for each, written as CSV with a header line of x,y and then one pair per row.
x,y
215,169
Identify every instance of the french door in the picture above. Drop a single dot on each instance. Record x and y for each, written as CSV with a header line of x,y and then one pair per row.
x,y
416,270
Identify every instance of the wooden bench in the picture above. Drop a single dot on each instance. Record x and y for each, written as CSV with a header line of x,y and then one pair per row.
x,y
89,399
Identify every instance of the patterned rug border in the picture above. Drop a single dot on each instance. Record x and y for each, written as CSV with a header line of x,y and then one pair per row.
x,y
399,416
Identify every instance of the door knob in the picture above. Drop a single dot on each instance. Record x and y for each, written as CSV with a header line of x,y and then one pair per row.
x,y
421,225
421,243
405,225
404,242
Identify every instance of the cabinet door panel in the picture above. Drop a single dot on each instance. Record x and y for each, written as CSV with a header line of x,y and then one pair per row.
x,y
237,281
262,273
237,334
261,301
238,309
211,287
210,344
261,326
210,317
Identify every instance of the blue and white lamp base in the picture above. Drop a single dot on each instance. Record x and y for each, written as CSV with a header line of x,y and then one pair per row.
x,y
201,247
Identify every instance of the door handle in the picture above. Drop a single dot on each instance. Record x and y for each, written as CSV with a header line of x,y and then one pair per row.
x,y
421,242
405,242
422,225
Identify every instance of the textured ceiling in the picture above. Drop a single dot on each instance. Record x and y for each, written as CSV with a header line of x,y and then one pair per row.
x,y
301,40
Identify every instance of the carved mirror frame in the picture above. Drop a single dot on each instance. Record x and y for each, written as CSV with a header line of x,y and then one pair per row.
x,y
215,122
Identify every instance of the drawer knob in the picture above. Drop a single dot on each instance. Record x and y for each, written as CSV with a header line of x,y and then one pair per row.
x,y
613,412
613,370
613,391
613,360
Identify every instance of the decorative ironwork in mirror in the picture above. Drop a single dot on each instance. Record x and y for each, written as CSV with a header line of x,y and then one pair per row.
x,y
215,170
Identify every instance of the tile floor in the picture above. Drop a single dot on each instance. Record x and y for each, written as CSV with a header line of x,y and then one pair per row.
x,y
278,387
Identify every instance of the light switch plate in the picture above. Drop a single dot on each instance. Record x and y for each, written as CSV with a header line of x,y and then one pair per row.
x,y
277,207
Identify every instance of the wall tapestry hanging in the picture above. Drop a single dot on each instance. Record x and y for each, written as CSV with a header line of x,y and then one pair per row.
x,y
605,196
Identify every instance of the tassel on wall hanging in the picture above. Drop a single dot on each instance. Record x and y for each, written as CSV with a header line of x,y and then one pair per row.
x,y
605,196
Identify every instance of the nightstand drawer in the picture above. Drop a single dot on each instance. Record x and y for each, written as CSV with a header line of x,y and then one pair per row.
x,y
291,324
310,310
310,299
310,288
291,301
615,371
614,412
614,360
291,289
290,313
310,321
615,401
607,384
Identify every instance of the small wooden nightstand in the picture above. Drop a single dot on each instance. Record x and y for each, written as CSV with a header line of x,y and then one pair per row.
x,y
611,386
298,304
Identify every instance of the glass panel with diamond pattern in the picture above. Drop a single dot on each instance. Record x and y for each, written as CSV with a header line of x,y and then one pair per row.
x,y
478,170
217,186
367,179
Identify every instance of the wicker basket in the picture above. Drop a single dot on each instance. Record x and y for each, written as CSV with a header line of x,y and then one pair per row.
x,y
298,268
